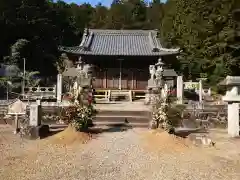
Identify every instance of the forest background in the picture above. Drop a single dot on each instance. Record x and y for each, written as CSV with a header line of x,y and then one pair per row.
x,y
207,31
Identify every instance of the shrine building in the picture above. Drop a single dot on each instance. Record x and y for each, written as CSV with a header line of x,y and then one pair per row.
x,y
122,57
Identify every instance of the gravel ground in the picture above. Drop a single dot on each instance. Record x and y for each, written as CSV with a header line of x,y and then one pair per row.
x,y
108,156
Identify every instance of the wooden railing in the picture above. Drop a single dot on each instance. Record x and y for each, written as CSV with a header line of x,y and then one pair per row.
x,y
107,94
40,92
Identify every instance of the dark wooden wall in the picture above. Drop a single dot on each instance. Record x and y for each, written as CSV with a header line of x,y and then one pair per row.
x,y
134,70
130,78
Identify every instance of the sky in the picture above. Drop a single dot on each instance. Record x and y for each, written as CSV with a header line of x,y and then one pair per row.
x,y
93,2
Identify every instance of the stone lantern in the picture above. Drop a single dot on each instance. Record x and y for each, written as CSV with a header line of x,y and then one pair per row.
x,y
232,97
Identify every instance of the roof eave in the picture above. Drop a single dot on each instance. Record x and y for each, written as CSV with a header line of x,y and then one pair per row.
x,y
80,51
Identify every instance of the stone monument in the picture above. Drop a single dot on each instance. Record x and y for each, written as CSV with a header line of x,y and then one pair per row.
x,y
35,114
35,129
232,97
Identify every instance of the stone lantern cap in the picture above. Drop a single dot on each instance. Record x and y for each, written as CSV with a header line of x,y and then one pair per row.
x,y
233,84
230,81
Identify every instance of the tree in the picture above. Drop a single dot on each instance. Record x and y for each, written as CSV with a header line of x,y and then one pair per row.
x,y
30,78
138,13
63,63
18,52
99,17
63,17
118,16
82,16
10,80
154,15
203,29
43,25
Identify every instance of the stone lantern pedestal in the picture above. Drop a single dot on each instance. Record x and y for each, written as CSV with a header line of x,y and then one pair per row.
x,y
151,95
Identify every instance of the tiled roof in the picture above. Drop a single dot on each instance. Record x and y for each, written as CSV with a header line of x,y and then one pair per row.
x,y
169,73
120,43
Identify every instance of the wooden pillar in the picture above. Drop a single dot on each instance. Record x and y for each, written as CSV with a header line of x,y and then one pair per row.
x,y
105,79
120,75
132,80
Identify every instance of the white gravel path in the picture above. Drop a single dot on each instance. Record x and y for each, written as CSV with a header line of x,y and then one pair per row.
x,y
110,156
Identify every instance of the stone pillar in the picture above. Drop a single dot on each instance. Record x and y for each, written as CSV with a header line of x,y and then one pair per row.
x,y
16,124
209,92
233,119
36,130
38,102
200,91
179,89
35,115
59,88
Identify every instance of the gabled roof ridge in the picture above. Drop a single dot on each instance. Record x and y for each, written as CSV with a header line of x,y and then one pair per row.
x,y
84,37
121,31
151,42
119,34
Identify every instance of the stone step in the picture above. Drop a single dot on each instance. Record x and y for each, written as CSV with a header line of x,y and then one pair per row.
x,y
137,118
132,124
110,120
106,117
130,119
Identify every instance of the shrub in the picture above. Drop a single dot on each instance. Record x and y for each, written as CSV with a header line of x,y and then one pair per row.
x,y
79,116
165,114
159,113
84,117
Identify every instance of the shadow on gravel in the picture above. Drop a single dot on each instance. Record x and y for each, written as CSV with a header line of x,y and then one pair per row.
x,y
51,133
93,130
185,132
107,103
110,128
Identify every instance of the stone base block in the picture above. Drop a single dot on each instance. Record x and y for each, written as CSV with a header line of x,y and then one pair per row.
x,y
184,132
201,140
153,124
197,136
36,132
150,99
